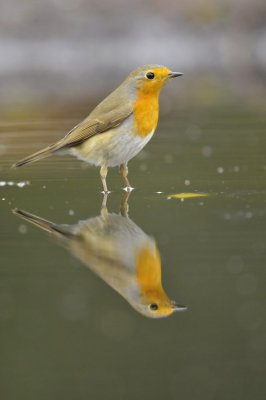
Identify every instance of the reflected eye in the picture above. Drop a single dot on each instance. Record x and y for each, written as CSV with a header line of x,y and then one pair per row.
x,y
150,75
153,307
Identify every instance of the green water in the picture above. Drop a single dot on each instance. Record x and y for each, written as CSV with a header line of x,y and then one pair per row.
x,y
65,334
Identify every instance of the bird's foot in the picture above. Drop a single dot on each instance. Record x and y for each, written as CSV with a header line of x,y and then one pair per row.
x,y
128,189
106,192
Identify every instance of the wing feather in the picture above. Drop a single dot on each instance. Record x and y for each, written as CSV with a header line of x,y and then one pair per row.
x,y
101,120
90,127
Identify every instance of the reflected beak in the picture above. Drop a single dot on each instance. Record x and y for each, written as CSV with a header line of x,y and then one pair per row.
x,y
178,307
175,74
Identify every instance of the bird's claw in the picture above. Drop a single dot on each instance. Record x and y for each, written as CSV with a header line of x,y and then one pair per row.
x,y
128,189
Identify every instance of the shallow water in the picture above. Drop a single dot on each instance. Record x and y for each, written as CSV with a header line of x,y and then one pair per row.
x,y
66,334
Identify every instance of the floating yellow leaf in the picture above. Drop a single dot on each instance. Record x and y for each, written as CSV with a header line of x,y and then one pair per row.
x,y
187,195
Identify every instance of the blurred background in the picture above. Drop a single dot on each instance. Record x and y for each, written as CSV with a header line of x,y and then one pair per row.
x,y
74,50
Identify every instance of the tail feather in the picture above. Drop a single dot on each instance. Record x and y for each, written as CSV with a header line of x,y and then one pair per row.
x,y
42,223
46,152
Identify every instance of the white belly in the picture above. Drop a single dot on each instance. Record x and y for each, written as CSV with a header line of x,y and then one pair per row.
x,y
111,148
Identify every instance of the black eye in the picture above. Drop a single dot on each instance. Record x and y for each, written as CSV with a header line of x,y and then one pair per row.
x,y
150,75
153,307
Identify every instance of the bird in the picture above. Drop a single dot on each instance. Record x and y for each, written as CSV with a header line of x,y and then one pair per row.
x,y
120,253
118,128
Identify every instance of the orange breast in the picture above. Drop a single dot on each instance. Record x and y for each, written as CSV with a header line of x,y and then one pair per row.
x,y
149,269
146,113
148,274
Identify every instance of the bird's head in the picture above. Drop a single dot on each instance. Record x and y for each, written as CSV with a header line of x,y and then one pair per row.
x,y
151,78
152,300
158,307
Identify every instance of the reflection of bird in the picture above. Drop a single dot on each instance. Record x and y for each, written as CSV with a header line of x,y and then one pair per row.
x,y
119,127
120,253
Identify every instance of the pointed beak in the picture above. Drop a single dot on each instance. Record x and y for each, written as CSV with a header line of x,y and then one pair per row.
x,y
175,74
178,307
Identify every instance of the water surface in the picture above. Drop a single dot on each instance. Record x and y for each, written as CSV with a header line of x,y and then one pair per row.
x,y
66,334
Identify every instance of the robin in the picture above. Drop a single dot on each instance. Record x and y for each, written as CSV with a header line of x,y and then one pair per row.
x,y
119,127
120,253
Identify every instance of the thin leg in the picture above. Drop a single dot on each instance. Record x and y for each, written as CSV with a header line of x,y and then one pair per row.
x,y
103,174
123,169
124,207
104,211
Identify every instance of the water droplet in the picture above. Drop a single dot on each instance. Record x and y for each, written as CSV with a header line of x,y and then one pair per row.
x,y
249,214
22,229
143,167
23,184
206,151
168,158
